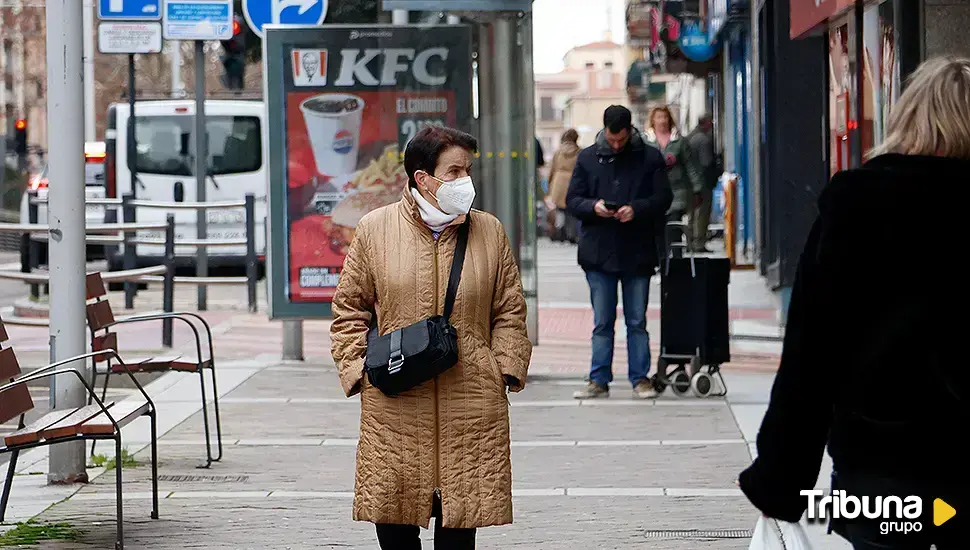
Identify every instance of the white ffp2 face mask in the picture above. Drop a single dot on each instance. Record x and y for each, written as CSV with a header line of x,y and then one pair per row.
x,y
455,197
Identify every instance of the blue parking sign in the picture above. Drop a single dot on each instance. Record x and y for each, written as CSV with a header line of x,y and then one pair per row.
x,y
197,20
259,13
150,10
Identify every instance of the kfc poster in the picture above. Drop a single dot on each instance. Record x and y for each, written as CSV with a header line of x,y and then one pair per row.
x,y
350,98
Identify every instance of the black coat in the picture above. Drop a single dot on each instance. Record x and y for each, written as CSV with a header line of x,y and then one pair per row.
x,y
636,176
873,363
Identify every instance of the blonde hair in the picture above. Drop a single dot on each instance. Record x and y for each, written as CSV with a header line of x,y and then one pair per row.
x,y
663,109
932,116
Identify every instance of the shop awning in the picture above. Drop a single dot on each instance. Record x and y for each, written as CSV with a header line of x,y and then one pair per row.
x,y
808,14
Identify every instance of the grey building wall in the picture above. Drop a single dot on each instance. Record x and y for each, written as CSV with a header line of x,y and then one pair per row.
x,y
947,27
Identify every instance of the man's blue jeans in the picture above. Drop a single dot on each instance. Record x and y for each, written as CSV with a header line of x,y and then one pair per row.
x,y
636,291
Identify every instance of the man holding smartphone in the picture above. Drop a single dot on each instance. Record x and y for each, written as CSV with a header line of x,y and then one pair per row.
x,y
619,191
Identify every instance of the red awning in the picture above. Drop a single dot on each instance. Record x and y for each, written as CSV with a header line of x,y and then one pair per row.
x,y
807,14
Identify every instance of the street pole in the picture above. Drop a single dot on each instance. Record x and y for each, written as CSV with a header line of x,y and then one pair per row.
x,y
201,156
175,59
504,102
486,117
132,152
525,118
90,124
65,105
293,340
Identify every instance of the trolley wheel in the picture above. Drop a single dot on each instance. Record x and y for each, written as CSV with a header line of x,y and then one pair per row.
x,y
701,384
680,382
658,384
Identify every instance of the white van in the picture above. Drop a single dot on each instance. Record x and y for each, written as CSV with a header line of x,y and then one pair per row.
x,y
165,172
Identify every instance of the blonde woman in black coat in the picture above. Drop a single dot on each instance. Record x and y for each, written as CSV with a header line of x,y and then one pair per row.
x,y
873,365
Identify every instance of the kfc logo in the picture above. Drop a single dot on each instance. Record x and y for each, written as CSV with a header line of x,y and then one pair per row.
x,y
309,67
393,62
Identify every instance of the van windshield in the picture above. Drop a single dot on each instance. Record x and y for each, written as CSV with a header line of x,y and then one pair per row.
x,y
166,145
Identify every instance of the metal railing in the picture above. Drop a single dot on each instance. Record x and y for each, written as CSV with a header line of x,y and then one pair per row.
x,y
129,206
164,273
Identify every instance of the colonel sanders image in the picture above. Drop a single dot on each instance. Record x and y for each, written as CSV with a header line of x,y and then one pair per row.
x,y
311,62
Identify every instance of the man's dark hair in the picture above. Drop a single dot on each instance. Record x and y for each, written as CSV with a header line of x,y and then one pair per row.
x,y
617,118
423,150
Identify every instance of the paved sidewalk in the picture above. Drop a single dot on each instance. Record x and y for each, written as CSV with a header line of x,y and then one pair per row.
x,y
616,473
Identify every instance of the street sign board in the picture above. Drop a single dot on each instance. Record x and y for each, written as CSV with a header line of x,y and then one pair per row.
x,y
130,9
133,37
260,13
197,20
343,102
457,5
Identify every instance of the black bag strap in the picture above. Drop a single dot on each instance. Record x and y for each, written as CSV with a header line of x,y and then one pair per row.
x,y
456,265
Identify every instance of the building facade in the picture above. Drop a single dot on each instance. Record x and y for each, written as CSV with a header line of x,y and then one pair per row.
x,y
591,80
807,90
23,68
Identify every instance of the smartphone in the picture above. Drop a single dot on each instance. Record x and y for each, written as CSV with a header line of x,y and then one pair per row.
x,y
611,206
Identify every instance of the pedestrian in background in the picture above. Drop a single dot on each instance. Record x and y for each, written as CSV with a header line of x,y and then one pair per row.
x,y
874,310
701,142
440,449
682,172
620,194
560,172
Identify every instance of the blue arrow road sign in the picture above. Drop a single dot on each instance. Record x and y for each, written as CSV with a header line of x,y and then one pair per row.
x,y
130,9
283,12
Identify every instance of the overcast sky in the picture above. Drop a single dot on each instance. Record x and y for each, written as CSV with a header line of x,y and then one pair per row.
x,y
562,24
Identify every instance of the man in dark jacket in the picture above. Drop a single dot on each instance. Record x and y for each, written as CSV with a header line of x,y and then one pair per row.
x,y
619,191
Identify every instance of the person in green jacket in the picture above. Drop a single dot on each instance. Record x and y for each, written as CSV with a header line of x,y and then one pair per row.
x,y
683,171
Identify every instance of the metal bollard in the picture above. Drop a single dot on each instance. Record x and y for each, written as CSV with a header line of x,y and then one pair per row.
x,y
128,216
251,271
168,287
32,247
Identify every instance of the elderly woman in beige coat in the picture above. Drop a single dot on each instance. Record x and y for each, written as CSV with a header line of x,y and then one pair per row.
x,y
440,449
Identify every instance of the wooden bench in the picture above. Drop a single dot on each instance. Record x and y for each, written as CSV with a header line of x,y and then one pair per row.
x,y
97,421
102,321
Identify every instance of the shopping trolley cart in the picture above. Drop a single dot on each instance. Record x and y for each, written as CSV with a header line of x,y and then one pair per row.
x,y
694,323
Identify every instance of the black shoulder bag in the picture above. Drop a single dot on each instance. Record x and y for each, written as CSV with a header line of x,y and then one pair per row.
x,y
408,357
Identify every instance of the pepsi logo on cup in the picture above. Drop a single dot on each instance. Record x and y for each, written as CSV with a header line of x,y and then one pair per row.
x,y
343,142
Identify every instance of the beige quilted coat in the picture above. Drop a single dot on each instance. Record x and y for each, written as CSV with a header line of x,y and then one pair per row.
x,y
449,434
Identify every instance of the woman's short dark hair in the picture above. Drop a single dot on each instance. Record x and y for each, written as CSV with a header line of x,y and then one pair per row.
x,y
424,149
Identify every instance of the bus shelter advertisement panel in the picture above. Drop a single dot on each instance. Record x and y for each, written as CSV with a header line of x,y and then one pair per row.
x,y
353,100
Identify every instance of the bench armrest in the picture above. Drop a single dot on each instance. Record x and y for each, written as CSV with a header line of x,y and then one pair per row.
x,y
175,315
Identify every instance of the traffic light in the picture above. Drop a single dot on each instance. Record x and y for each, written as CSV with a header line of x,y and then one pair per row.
x,y
20,137
234,56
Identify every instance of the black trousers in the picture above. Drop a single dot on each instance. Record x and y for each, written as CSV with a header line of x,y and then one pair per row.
x,y
408,537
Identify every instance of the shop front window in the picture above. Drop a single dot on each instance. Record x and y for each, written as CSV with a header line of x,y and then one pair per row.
x,y
881,72
840,87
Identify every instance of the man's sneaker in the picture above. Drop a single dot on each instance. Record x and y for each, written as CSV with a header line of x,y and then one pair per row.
x,y
592,391
644,390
